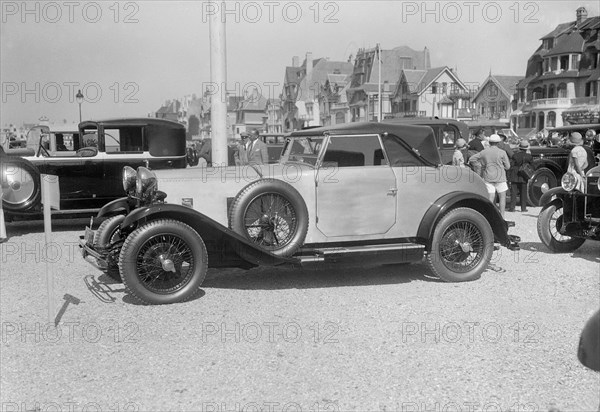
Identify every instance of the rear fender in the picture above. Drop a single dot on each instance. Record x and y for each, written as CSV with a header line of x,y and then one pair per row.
x,y
220,240
454,200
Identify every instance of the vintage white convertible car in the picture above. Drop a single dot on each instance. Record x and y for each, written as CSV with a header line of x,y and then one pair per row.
x,y
361,191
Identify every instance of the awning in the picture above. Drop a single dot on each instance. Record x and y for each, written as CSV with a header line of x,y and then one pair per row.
x,y
582,114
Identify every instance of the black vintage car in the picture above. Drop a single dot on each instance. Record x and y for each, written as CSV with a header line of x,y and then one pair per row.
x,y
570,216
550,160
446,132
88,161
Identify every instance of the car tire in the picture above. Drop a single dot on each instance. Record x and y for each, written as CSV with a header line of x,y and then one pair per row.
x,y
280,230
107,233
20,181
548,222
542,180
161,249
461,246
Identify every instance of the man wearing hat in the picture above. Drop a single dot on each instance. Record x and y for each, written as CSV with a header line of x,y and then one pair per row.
x,y
517,182
577,159
493,163
257,150
241,152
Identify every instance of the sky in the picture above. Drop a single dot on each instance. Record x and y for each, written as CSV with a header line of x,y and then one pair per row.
x,y
129,57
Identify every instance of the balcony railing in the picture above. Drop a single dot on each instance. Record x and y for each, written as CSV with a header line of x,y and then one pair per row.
x,y
420,113
556,102
585,100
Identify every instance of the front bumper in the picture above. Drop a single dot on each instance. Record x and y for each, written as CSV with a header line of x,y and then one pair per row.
x,y
96,258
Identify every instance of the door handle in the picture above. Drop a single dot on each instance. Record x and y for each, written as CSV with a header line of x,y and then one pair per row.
x,y
392,191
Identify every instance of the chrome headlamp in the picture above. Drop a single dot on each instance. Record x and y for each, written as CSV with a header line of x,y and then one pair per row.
x,y
129,178
146,183
568,181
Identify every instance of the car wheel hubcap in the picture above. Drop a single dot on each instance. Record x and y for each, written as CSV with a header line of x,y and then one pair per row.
x,y
165,263
461,247
17,187
270,221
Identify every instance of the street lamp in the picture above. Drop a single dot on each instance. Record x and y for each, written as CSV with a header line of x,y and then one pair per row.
x,y
79,98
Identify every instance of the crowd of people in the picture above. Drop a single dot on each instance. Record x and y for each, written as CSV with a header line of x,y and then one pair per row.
x,y
503,169
249,150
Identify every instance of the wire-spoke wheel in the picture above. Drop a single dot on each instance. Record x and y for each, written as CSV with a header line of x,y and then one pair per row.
x,y
270,221
271,214
549,222
164,261
462,246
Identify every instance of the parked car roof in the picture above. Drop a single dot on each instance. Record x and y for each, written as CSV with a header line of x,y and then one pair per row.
x,y
575,127
135,121
419,137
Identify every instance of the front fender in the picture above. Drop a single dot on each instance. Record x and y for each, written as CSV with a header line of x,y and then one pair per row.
x,y
555,191
218,238
121,206
454,200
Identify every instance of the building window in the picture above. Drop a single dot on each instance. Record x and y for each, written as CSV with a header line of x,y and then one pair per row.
x,y
546,67
544,92
591,89
434,87
562,90
564,62
444,88
551,91
574,62
551,119
548,43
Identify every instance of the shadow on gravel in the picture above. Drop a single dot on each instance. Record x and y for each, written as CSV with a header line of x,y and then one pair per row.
x,y
318,277
107,290
132,300
588,251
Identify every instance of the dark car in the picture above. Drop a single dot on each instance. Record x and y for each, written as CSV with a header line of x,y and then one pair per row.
x,y
356,192
570,216
446,132
550,159
88,161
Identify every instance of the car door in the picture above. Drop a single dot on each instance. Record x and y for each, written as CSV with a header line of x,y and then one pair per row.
x,y
355,188
80,178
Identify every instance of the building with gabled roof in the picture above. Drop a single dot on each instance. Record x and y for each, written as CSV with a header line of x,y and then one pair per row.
x,y
429,93
561,80
495,97
303,87
364,90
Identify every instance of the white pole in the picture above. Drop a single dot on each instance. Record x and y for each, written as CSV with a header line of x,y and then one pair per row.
x,y
379,85
218,77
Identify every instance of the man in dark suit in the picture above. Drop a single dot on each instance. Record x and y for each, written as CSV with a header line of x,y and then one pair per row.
x,y
256,150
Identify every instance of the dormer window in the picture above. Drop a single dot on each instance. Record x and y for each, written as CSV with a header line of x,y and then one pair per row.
x,y
548,44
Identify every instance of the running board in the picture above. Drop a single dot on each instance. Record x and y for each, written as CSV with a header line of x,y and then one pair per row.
x,y
387,253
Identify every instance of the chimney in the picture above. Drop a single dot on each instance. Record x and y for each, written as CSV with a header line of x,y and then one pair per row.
x,y
309,64
295,61
581,15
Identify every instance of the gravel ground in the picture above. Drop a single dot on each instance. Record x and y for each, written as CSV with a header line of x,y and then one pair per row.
x,y
369,338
